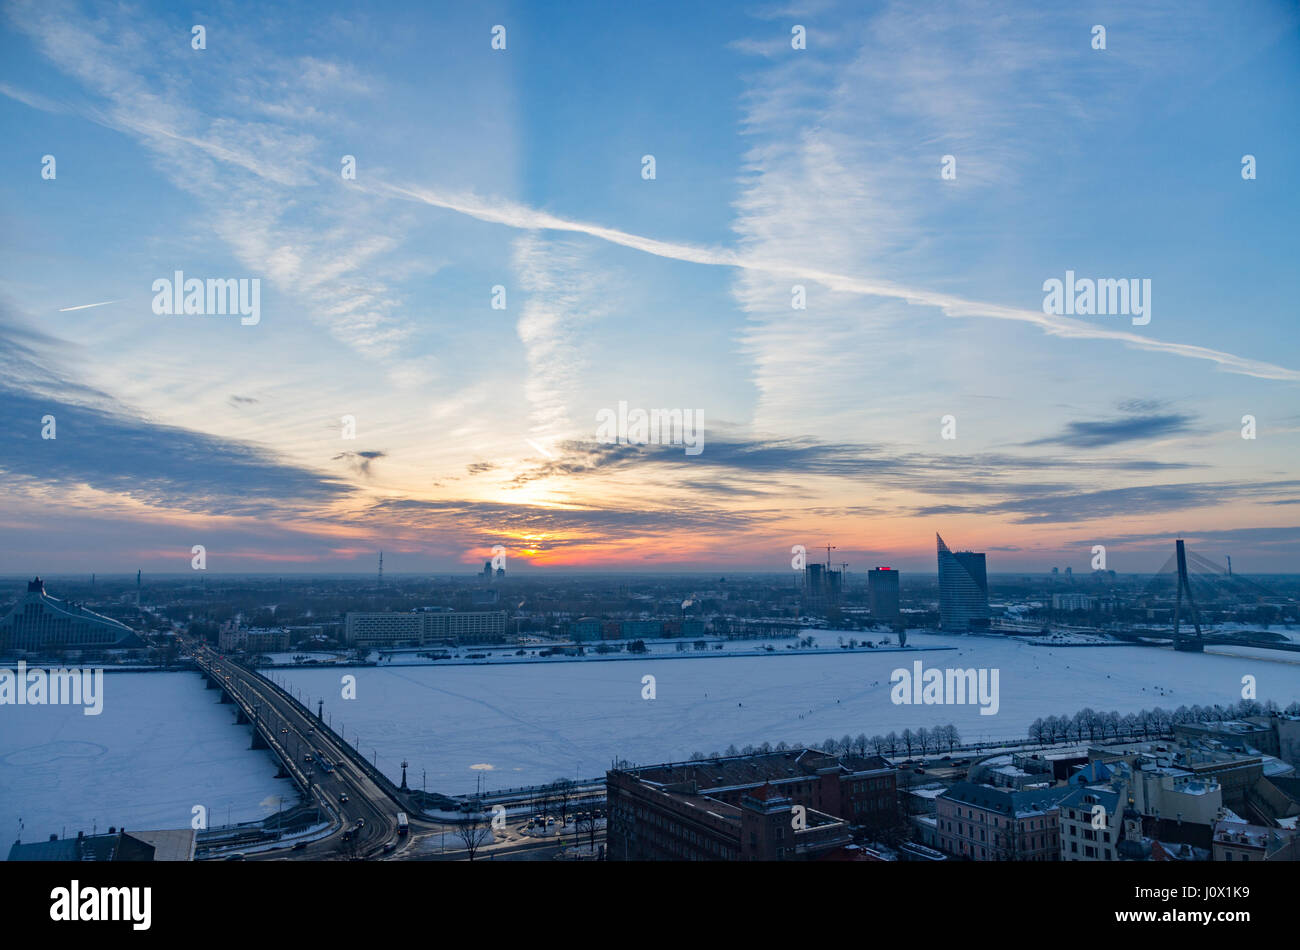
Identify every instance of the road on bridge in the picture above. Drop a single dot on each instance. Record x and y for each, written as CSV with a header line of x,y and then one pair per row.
x,y
295,730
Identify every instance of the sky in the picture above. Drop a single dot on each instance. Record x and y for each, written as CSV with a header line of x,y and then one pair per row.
x,y
502,268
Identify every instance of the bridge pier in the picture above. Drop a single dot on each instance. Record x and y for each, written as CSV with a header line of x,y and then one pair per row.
x,y
258,741
241,718
225,696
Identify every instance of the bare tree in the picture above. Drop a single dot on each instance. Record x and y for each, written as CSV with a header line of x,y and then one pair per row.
x,y
474,831
586,824
562,789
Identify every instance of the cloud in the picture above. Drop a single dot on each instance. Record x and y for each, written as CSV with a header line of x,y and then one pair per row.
x,y
1095,434
1080,506
359,461
103,446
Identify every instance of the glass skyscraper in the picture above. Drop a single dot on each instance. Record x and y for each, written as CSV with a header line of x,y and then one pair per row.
x,y
963,589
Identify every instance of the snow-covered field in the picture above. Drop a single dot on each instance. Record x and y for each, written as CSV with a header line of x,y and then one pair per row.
x,y
162,745
523,724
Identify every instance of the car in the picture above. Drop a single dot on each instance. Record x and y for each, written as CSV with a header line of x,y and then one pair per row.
x,y
390,847
300,846
284,731
237,856
306,758
361,822
347,835
343,799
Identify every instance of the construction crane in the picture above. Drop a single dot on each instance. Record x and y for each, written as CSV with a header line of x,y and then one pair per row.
x,y
829,549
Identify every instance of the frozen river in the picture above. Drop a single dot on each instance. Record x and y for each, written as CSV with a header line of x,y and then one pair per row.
x,y
162,745
523,724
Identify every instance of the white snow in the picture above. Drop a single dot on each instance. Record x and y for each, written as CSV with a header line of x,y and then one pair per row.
x,y
162,745
532,723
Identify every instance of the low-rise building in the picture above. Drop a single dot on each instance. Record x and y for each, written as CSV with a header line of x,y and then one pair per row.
x,y
420,627
233,636
983,823
1238,840
723,808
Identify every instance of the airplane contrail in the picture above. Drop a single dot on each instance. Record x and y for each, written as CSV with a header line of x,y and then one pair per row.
x,y
87,306
522,217
539,448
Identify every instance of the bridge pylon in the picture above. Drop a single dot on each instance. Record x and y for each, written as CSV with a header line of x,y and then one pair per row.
x,y
1186,644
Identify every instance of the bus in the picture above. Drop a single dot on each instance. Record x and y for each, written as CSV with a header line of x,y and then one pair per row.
x,y
402,826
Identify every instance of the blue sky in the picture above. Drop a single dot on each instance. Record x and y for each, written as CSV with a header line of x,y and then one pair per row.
x,y
522,168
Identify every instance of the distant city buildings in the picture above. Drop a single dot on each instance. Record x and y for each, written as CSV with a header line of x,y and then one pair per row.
x,y
823,587
963,589
391,628
1071,602
590,628
40,621
232,635
882,595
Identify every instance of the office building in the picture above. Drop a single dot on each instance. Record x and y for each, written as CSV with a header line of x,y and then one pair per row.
x,y
882,594
418,627
963,589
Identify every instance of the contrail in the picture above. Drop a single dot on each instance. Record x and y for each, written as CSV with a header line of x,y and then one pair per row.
x,y
539,448
525,218
87,306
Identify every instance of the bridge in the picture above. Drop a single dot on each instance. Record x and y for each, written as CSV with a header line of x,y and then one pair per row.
x,y
362,803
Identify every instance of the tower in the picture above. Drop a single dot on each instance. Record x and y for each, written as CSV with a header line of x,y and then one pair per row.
x,y
381,568
1186,645
963,589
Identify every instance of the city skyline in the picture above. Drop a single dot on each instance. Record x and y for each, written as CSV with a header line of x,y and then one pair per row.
x,y
776,168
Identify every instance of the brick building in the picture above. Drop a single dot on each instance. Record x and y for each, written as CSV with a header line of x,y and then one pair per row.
x,y
797,805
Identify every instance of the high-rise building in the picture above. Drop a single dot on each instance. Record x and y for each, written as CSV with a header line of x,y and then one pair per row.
x,y
882,593
963,589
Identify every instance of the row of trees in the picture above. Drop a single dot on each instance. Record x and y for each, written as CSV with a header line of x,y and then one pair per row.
x,y
910,741
1094,724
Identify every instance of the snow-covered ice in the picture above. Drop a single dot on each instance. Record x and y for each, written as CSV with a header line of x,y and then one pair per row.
x,y
525,724
162,745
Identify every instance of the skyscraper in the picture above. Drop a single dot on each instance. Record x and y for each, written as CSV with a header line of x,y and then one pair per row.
x,y
963,589
882,593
